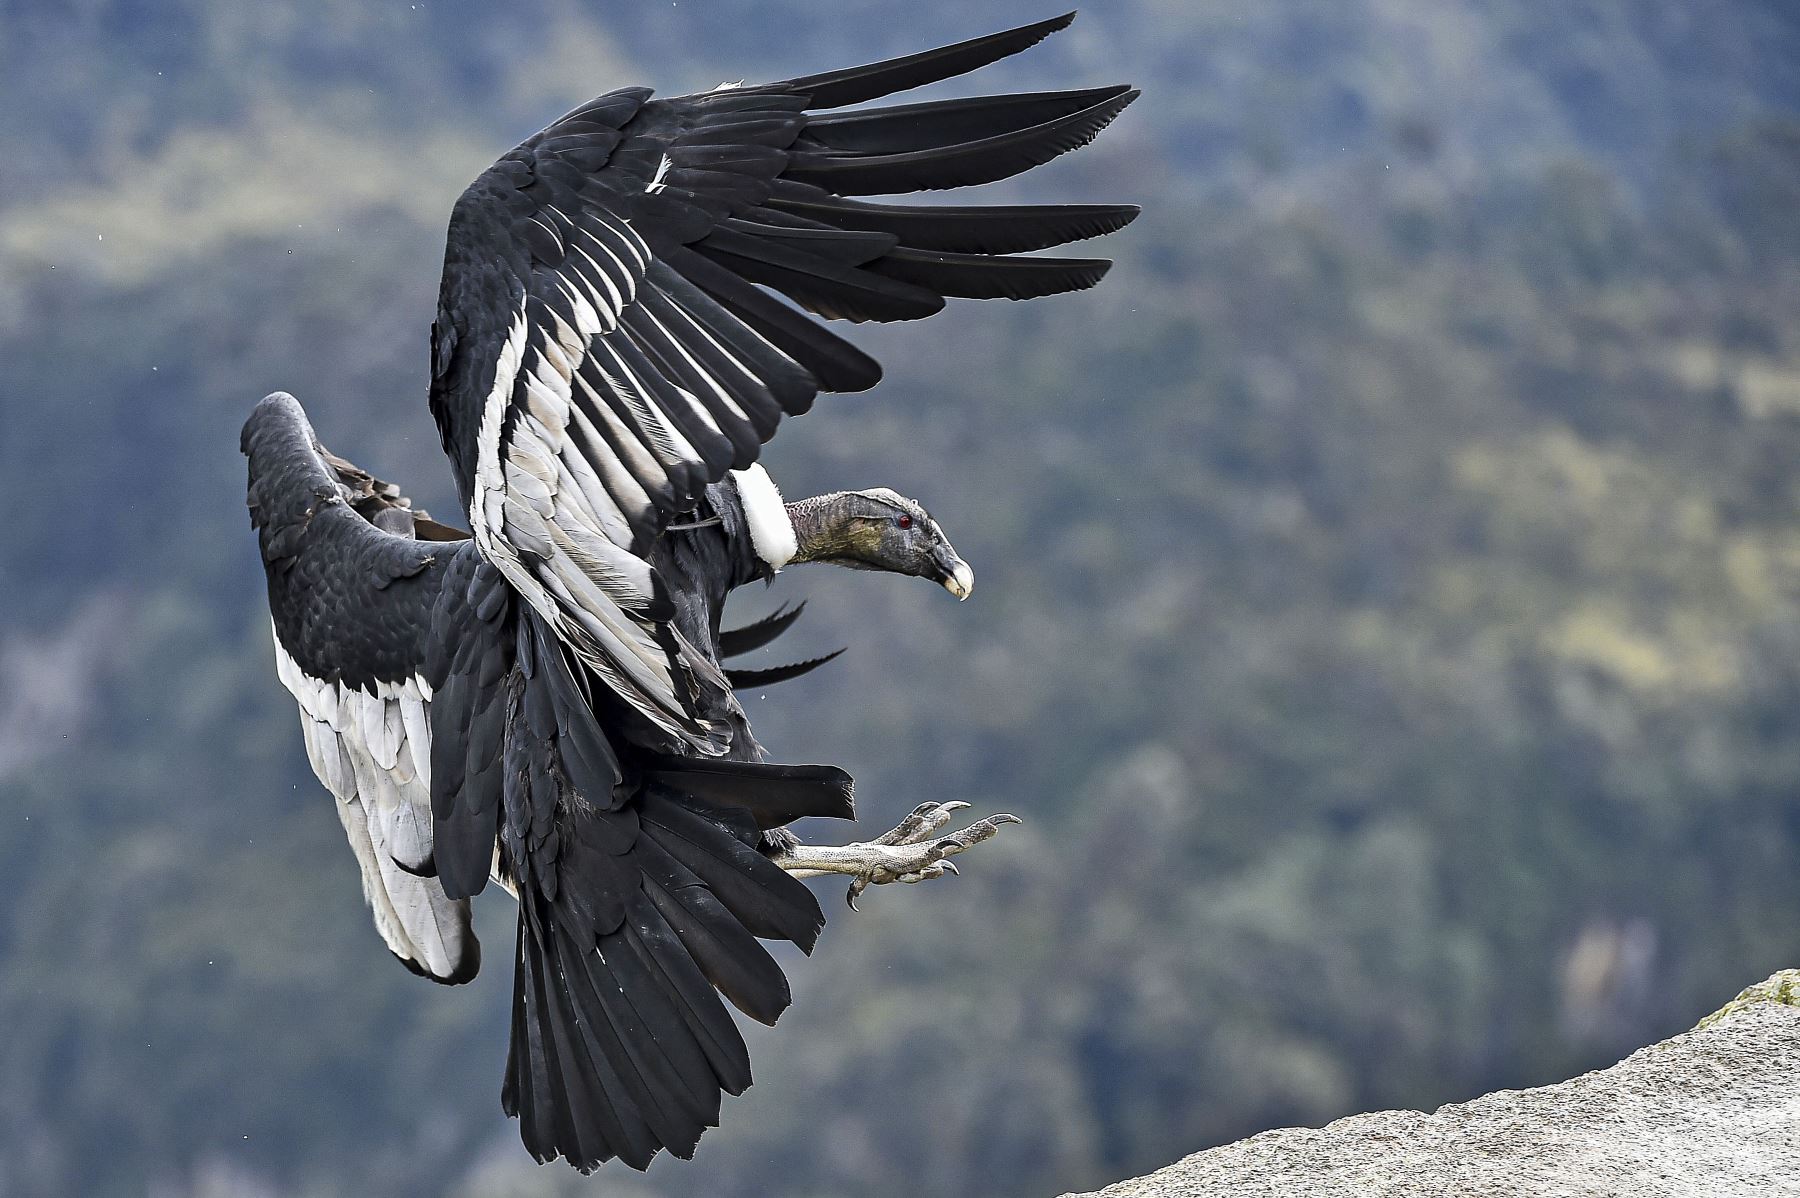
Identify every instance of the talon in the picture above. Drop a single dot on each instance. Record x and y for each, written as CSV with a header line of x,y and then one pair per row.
x,y
907,854
925,819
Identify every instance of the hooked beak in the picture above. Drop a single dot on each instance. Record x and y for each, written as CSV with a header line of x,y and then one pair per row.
x,y
957,575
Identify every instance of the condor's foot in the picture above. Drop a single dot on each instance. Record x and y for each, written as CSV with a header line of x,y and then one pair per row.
x,y
912,852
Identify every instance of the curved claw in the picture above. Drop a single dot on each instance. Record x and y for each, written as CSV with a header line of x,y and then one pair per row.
x,y
906,854
921,822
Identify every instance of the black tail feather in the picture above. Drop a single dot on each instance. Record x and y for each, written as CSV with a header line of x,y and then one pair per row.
x,y
649,935
642,901
600,1108
661,1034
730,957
621,1045
550,1122
625,1048
853,85
773,795
758,893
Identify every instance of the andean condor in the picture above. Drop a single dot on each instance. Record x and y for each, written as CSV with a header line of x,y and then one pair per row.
x,y
541,699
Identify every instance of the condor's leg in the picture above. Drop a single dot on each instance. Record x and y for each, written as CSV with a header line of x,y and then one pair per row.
x,y
911,852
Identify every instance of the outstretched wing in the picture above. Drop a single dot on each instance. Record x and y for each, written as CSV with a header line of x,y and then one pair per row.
x,y
605,347
351,604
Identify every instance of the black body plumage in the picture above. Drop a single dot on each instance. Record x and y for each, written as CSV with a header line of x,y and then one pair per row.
x,y
544,700
350,603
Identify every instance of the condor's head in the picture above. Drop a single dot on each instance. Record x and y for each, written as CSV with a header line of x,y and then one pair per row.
x,y
876,529
879,529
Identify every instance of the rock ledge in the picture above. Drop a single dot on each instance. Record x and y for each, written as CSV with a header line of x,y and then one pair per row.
x,y
1714,1111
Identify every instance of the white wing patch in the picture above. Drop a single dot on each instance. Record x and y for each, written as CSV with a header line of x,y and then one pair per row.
x,y
485,506
373,752
561,471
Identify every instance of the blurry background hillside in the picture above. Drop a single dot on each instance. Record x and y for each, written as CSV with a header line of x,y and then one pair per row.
x,y
1389,607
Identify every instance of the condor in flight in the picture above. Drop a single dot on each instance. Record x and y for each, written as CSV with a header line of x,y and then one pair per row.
x,y
541,700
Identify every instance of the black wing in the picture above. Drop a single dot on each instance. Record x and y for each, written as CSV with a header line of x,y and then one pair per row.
x,y
426,689
604,347
352,606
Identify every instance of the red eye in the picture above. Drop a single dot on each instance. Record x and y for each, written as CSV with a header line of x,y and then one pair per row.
x,y
904,521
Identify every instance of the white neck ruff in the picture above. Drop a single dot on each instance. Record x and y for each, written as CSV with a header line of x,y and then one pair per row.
x,y
771,532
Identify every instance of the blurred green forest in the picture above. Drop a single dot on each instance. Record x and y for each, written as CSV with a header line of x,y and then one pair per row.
x,y
1389,607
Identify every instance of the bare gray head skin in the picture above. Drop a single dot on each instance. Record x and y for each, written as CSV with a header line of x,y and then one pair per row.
x,y
878,529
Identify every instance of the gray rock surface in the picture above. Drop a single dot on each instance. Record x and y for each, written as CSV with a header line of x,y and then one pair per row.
x,y
1715,1111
